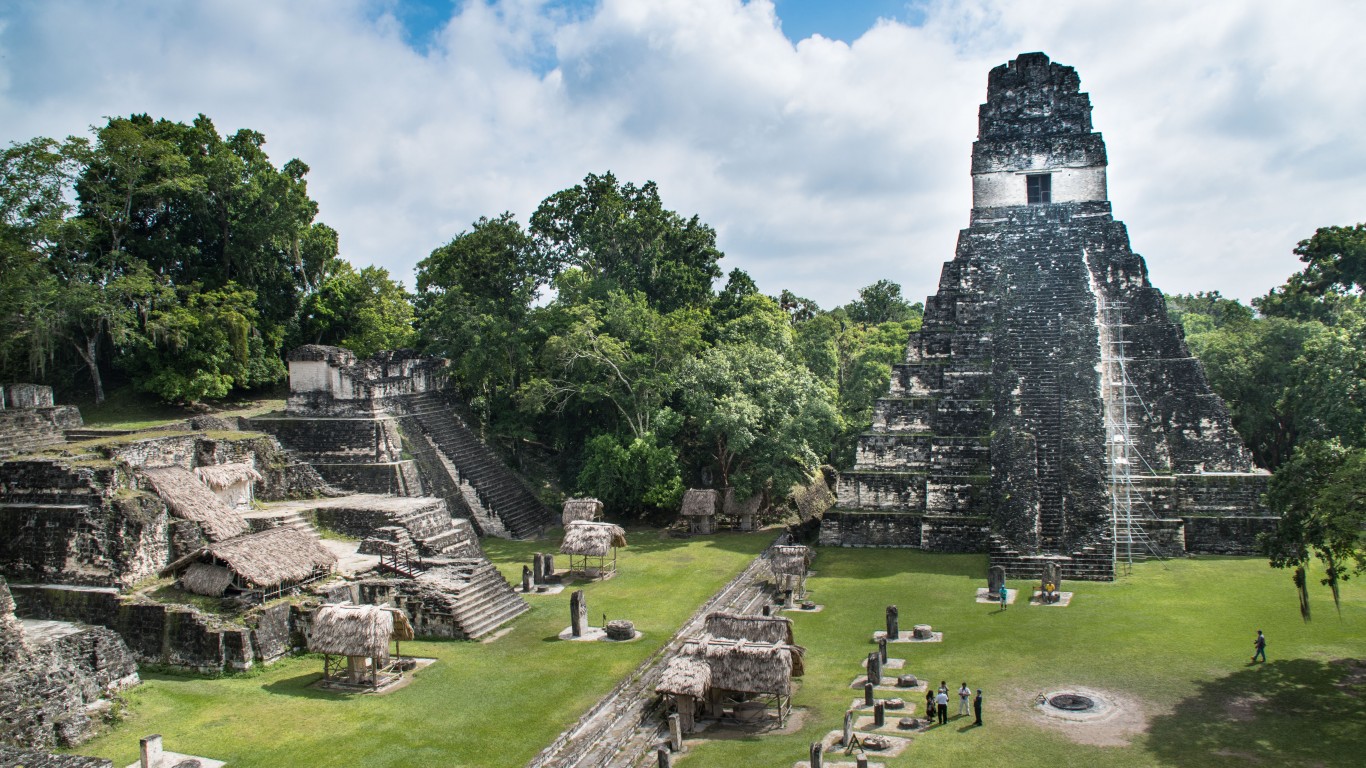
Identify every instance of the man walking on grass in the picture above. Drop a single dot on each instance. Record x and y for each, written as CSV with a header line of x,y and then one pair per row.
x,y
1259,646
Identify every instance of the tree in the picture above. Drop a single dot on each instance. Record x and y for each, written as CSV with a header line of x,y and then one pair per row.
x,y
631,476
759,420
363,311
202,347
881,302
622,236
1320,495
473,306
618,350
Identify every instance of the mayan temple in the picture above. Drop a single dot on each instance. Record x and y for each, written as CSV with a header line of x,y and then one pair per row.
x,y
1048,411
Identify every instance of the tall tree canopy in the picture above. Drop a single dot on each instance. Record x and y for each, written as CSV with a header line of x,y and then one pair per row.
x,y
171,223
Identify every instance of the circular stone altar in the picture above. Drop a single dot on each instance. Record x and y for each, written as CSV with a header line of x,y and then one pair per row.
x,y
1076,704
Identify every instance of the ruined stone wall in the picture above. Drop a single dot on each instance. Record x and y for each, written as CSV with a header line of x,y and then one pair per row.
x,y
21,757
166,635
77,525
46,697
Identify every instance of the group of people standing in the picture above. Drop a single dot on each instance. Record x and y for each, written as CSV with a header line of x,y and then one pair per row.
x,y
937,703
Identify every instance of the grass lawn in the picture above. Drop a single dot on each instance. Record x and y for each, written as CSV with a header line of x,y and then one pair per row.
x,y
127,408
1172,641
481,704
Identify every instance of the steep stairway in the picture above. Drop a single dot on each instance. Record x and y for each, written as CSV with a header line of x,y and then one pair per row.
x,y
475,479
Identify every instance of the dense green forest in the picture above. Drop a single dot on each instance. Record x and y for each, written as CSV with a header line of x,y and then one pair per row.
x,y
595,340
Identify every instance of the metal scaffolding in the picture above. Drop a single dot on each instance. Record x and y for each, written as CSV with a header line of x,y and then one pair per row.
x,y
1128,506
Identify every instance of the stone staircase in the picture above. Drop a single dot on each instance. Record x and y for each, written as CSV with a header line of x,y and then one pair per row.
x,y
1094,562
480,598
474,478
264,520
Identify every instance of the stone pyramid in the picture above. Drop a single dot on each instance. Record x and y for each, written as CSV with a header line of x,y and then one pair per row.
x,y
1047,411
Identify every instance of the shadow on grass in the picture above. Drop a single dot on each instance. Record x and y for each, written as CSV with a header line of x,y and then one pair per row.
x,y
1291,712
299,686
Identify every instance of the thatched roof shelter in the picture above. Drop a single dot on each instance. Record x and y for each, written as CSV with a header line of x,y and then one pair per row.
x,y
699,502
269,560
685,676
581,509
748,667
589,539
789,559
761,629
206,579
357,630
220,476
736,508
190,499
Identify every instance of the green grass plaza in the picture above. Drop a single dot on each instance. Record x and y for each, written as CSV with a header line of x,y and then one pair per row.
x,y
1167,646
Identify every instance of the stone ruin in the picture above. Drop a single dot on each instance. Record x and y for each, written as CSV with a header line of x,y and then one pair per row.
x,y
999,431
100,529
354,419
30,419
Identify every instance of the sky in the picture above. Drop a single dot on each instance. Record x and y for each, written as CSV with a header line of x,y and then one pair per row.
x,y
828,143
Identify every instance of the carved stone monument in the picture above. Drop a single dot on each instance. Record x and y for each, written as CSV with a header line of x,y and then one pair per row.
x,y
882,649
817,754
578,613
893,625
996,576
527,580
874,668
868,694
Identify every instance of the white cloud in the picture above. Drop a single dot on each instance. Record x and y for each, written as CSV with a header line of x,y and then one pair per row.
x,y
824,166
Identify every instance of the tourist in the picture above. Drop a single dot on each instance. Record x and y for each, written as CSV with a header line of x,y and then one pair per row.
x,y
977,707
1048,590
1005,593
964,693
929,704
941,703
1259,646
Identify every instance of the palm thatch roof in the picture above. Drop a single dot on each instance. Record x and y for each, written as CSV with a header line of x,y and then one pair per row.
x,y
685,676
761,629
789,559
581,509
271,558
220,476
582,537
736,508
189,499
206,579
699,502
748,667
357,630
